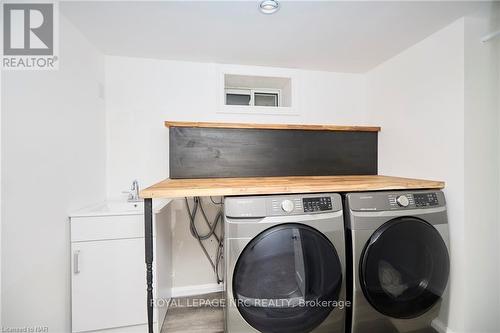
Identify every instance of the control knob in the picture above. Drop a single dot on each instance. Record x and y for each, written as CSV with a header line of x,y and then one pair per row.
x,y
287,206
403,201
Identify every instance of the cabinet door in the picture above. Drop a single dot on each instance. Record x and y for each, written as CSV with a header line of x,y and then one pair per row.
x,y
108,284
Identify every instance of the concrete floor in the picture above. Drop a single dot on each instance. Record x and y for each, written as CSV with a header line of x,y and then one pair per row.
x,y
189,314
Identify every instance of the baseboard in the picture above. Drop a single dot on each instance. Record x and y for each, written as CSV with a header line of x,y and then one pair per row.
x,y
439,326
128,329
199,289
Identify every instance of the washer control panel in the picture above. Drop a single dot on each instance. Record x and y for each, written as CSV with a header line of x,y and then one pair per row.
x,y
260,206
305,203
318,204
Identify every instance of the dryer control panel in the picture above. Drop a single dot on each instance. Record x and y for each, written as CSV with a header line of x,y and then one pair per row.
x,y
380,201
413,200
426,199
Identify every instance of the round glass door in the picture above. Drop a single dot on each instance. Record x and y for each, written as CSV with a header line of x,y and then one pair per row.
x,y
287,279
404,268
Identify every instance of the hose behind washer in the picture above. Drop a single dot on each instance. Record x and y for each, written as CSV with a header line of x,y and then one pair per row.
x,y
212,231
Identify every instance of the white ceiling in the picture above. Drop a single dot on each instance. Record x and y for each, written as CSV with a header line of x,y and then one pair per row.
x,y
332,36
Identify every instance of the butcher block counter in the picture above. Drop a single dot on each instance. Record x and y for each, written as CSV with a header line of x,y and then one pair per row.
x,y
175,188
221,159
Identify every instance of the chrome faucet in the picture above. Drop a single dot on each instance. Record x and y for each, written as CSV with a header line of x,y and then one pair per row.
x,y
133,194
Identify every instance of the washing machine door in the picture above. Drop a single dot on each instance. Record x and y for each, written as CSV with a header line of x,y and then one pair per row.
x,y
287,279
404,268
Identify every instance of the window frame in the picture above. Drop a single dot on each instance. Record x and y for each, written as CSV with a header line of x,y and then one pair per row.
x,y
289,94
238,91
251,92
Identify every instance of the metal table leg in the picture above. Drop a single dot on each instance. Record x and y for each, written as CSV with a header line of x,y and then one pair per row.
x,y
148,240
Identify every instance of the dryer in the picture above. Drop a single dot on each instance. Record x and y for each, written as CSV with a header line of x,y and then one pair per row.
x,y
285,264
398,243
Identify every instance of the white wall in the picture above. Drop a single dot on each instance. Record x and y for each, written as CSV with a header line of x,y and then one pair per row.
x,y
192,273
53,161
481,171
417,99
495,26
142,93
436,103
1,202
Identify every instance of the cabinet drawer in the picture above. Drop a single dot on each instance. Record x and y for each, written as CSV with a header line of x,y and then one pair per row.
x,y
107,227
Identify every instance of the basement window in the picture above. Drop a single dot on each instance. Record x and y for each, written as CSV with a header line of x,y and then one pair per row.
x,y
266,98
256,94
238,97
253,97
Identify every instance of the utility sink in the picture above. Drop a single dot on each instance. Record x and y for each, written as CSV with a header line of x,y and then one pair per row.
x,y
120,207
111,208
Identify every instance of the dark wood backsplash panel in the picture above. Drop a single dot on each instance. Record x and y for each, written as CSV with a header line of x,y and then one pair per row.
x,y
228,152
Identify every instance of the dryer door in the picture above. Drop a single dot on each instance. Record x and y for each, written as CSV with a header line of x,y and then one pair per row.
x,y
404,268
287,279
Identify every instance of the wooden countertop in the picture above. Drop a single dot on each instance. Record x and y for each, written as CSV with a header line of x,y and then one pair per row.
x,y
174,188
274,126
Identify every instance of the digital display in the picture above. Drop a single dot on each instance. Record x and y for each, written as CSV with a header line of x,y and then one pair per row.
x,y
425,199
317,204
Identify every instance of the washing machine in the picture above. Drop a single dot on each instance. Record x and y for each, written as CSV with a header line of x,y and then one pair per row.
x,y
284,263
399,246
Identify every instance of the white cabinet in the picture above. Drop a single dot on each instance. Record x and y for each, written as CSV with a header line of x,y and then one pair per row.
x,y
108,284
108,272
